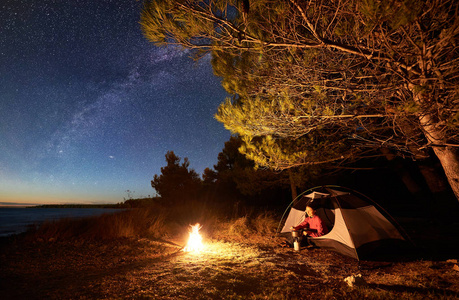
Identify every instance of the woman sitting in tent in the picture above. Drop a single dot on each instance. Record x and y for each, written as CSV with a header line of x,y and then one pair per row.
x,y
312,225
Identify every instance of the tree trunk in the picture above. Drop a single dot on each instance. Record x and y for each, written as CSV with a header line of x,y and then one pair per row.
x,y
447,156
292,185
449,161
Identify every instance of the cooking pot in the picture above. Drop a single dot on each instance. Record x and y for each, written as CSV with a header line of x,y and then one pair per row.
x,y
296,233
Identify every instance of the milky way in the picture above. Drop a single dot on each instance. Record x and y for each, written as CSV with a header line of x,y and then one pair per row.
x,y
88,107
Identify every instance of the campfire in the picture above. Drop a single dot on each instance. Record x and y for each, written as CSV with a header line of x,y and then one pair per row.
x,y
195,240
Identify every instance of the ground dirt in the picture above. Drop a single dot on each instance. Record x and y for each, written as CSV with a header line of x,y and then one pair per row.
x,y
153,269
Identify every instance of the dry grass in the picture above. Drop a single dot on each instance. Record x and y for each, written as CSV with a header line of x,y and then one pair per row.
x,y
154,221
257,229
161,222
132,223
137,254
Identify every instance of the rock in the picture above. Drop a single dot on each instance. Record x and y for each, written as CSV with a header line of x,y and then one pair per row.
x,y
456,268
356,280
452,261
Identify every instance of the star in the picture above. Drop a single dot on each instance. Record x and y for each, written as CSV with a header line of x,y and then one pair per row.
x,y
84,84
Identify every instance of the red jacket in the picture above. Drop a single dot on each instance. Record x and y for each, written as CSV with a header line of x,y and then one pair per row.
x,y
315,226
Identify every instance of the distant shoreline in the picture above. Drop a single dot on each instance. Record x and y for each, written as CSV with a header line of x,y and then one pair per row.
x,y
61,206
130,203
18,205
80,206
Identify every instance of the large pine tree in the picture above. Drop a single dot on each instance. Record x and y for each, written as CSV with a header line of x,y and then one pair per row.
x,y
317,81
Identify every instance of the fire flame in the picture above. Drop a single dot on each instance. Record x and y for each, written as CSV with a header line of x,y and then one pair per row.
x,y
195,240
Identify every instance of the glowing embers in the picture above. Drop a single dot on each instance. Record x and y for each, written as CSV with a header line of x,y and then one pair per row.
x,y
195,240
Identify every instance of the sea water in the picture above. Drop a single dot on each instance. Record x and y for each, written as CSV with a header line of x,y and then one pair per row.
x,y
15,220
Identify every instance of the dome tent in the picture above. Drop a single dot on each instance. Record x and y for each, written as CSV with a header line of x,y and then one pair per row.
x,y
358,227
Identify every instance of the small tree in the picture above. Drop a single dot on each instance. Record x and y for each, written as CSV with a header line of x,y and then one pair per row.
x,y
177,182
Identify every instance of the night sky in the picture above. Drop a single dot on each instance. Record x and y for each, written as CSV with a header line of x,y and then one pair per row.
x,y
89,107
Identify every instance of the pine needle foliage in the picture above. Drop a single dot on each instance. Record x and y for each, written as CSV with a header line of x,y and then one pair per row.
x,y
356,75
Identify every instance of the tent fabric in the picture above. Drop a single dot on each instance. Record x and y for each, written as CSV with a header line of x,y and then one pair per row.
x,y
356,224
